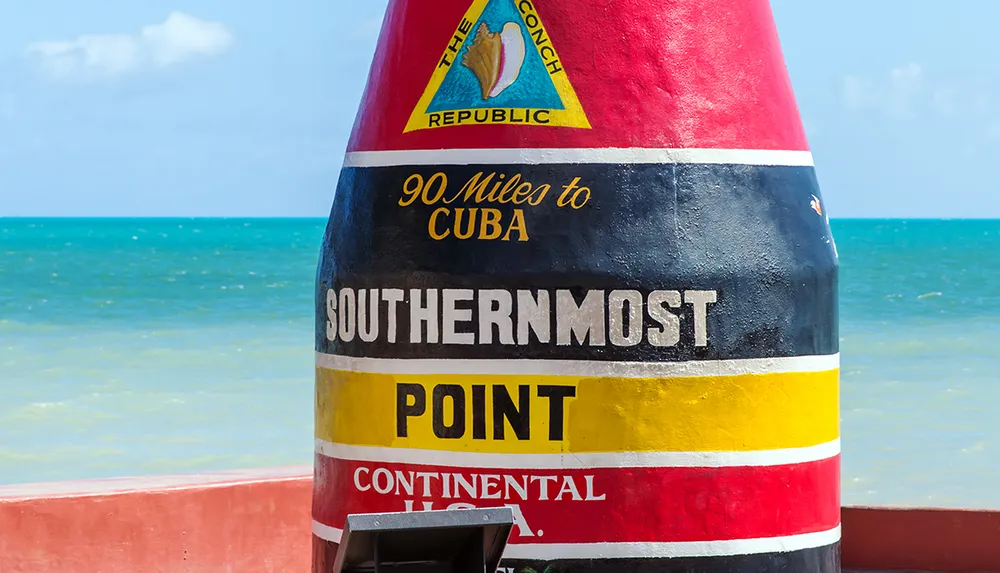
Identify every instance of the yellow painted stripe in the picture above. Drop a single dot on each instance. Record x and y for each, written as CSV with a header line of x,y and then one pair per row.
x,y
747,412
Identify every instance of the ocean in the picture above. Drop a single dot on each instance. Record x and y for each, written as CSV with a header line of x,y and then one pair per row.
x,y
142,346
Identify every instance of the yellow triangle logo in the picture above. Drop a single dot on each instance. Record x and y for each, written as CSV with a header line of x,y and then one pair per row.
x,y
500,67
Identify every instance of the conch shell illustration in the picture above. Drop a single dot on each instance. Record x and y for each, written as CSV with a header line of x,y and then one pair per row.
x,y
496,58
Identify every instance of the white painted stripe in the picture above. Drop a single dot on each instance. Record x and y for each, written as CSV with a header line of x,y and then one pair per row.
x,y
326,532
580,367
582,460
675,549
576,156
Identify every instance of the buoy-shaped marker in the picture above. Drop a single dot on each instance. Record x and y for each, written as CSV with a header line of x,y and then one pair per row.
x,y
578,264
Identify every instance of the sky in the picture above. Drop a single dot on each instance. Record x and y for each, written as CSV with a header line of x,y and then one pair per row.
x,y
225,108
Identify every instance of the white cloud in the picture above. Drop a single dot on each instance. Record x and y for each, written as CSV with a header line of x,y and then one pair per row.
x,y
952,102
893,96
179,38
945,101
962,102
182,37
110,54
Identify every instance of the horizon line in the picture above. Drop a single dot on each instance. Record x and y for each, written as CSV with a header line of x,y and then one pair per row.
x,y
322,218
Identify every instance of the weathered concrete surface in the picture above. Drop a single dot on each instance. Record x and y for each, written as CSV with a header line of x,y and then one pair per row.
x,y
921,539
584,239
254,521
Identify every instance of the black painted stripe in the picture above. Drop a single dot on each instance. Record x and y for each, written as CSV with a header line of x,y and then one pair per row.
x,y
816,560
747,232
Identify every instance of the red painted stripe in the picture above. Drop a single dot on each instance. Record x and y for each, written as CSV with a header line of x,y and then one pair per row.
x,y
640,504
694,74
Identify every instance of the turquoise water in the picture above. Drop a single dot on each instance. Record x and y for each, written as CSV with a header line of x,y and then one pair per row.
x,y
135,347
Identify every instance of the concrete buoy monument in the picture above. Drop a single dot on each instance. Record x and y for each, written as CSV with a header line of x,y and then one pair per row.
x,y
578,264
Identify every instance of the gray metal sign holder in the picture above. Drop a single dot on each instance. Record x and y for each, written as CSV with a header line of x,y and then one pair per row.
x,y
445,541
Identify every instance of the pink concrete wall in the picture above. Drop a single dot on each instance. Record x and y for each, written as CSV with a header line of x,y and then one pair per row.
x,y
258,521
944,540
240,522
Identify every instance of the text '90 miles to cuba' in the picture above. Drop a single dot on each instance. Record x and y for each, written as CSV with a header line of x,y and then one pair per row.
x,y
474,210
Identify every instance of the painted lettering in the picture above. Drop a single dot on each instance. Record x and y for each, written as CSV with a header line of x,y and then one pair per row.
x,y
472,486
500,115
560,317
477,223
451,415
